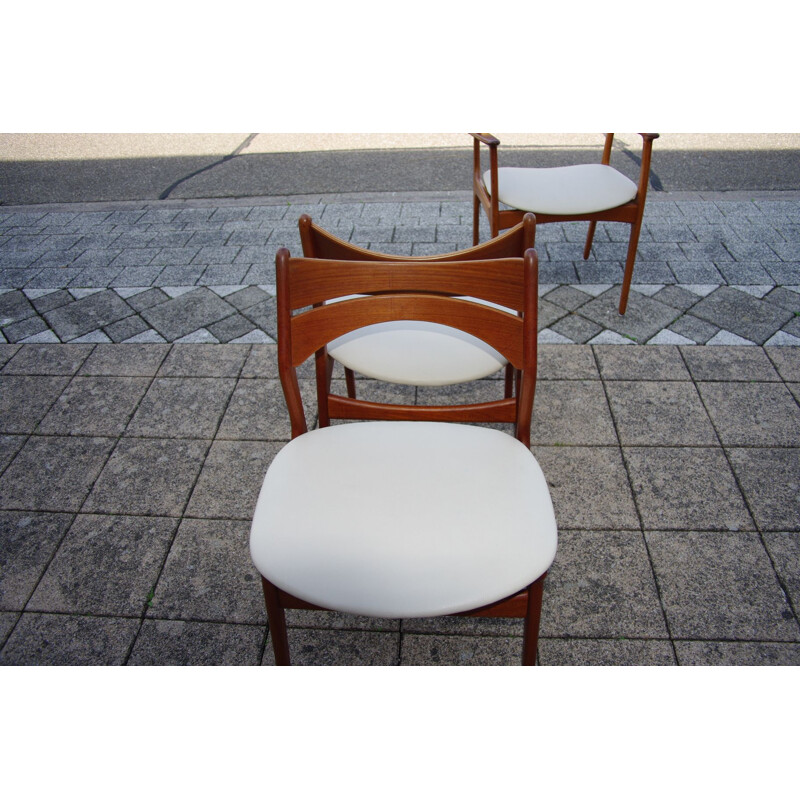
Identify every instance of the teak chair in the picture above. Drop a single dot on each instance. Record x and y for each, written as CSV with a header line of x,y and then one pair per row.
x,y
410,353
590,192
412,513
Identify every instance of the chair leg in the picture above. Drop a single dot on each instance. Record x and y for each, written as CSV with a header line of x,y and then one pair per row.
x,y
277,624
530,639
509,382
350,380
629,262
587,248
476,219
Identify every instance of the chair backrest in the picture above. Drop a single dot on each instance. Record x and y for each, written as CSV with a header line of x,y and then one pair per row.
x,y
319,243
392,290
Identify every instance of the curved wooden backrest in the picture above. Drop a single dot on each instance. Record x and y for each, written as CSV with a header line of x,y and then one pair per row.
x,y
410,290
319,243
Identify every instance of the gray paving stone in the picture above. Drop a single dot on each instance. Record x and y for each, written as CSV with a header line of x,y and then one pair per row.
x,y
188,360
27,543
262,362
52,279
784,550
25,400
60,640
742,314
126,328
659,413
53,473
87,314
126,360
686,488
695,272
595,475
7,352
181,408
10,445
786,361
576,328
230,328
572,413
643,318
338,648
147,476
51,300
676,297
105,566
770,480
753,414
20,331
693,328
720,586
566,362
657,364
738,654
186,313
14,306
257,411
197,644
601,586
231,479
619,652
729,364
208,575
457,651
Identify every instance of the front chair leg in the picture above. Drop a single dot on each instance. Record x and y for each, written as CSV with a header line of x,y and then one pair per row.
x,y
530,639
587,248
350,380
277,624
629,262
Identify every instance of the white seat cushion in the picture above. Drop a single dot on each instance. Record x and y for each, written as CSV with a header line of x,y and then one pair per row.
x,y
417,353
403,519
579,189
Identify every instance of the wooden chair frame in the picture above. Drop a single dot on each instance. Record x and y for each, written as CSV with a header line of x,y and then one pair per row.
x,y
319,243
500,219
397,290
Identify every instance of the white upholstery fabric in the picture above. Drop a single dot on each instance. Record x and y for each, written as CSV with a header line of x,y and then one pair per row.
x,y
579,189
403,519
416,353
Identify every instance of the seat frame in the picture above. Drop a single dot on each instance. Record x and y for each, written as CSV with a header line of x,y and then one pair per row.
x,y
500,219
319,243
411,290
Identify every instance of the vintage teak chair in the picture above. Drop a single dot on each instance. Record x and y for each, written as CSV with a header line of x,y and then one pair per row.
x,y
411,513
409,352
590,192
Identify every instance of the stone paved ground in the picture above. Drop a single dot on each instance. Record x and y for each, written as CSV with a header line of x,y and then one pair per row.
x,y
131,454
709,271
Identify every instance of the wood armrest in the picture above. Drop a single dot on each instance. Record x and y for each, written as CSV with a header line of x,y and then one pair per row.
x,y
486,138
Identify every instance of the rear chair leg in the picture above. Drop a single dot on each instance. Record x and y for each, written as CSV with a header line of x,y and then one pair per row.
x,y
530,639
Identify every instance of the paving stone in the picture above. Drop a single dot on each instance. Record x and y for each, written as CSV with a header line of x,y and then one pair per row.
x,y
685,488
643,318
10,445
695,272
695,329
60,640
8,619
619,652
742,314
737,654
94,406
753,414
185,314
25,400
566,362
339,648
197,644
417,650
129,360
147,476
264,316
180,275
209,576
720,586
642,364
51,300
659,413
231,479
87,314
14,306
257,412
188,360
181,408
576,328
27,543
784,550
567,297
572,413
7,352
262,362
561,272
230,328
786,361
125,329
105,565
676,297
729,364
770,480
24,330
247,297
601,586
597,476
53,473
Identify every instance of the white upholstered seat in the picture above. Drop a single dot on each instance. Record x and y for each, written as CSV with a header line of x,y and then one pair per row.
x,y
467,519
578,189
